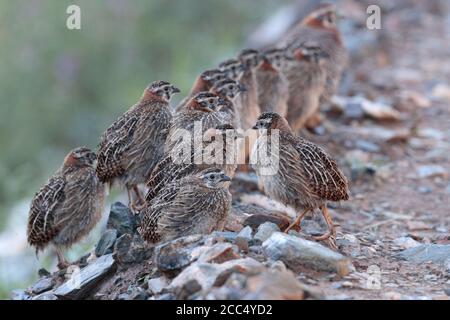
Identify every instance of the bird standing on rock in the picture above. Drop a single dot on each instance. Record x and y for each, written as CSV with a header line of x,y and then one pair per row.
x,y
196,204
132,146
68,206
307,80
304,177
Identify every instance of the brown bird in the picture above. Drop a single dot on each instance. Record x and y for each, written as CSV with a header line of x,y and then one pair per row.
x,y
132,146
233,68
297,173
204,82
320,27
205,109
307,79
196,204
248,100
229,90
273,86
172,167
67,206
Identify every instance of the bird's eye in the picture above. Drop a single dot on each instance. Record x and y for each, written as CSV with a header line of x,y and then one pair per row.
x,y
230,87
211,177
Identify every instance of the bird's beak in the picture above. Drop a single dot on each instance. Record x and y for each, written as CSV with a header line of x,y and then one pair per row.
x,y
255,127
225,178
176,90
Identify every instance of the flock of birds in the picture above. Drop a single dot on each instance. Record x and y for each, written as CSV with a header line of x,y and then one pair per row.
x,y
277,90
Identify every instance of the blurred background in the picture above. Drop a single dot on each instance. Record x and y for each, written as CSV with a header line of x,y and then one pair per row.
x,y
61,88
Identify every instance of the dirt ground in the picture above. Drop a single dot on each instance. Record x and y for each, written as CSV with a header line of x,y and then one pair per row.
x,y
394,193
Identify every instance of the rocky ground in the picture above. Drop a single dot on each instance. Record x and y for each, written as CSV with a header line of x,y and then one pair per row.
x,y
389,127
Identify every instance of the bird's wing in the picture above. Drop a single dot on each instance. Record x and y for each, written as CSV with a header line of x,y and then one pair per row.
x,y
41,221
322,173
114,142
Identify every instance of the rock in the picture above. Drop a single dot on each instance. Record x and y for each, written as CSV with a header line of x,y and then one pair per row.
x,y
274,285
19,295
42,285
206,274
131,249
367,146
227,235
436,253
219,253
430,171
138,294
122,219
106,243
424,190
441,92
265,231
392,295
187,290
356,107
45,296
417,225
296,252
156,285
447,291
406,242
177,254
245,233
81,283
416,99
242,244
255,220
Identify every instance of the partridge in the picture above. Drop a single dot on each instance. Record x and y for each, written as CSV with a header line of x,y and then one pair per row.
x,y
273,86
196,204
67,206
320,27
307,81
296,172
229,90
222,138
132,146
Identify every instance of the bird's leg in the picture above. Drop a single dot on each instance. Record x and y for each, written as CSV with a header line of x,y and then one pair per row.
x,y
62,262
297,220
139,195
130,198
331,230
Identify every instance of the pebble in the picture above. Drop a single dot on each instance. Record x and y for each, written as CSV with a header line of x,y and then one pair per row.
x,y
106,243
265,231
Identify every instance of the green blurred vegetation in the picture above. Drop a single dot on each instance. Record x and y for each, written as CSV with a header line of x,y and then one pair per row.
x,y
61,88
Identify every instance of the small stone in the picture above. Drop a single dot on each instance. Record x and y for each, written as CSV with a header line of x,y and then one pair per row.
x,y
245,233
424,190
436,253
177,254
296,252
242,244
392,295
19,295
188,289
45,296
219,253
156,285
265,231
227,235
106,243
43,284
122,219
368,146
81,282
274,285
131,249
418,225
430,171
406,242
255,220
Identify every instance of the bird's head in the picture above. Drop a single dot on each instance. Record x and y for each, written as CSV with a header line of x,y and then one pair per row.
x,y
324,16
228,88
250,58
277,58
214,178
270,121
225,131
161,89
233,68
80,157
213,75
205,101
